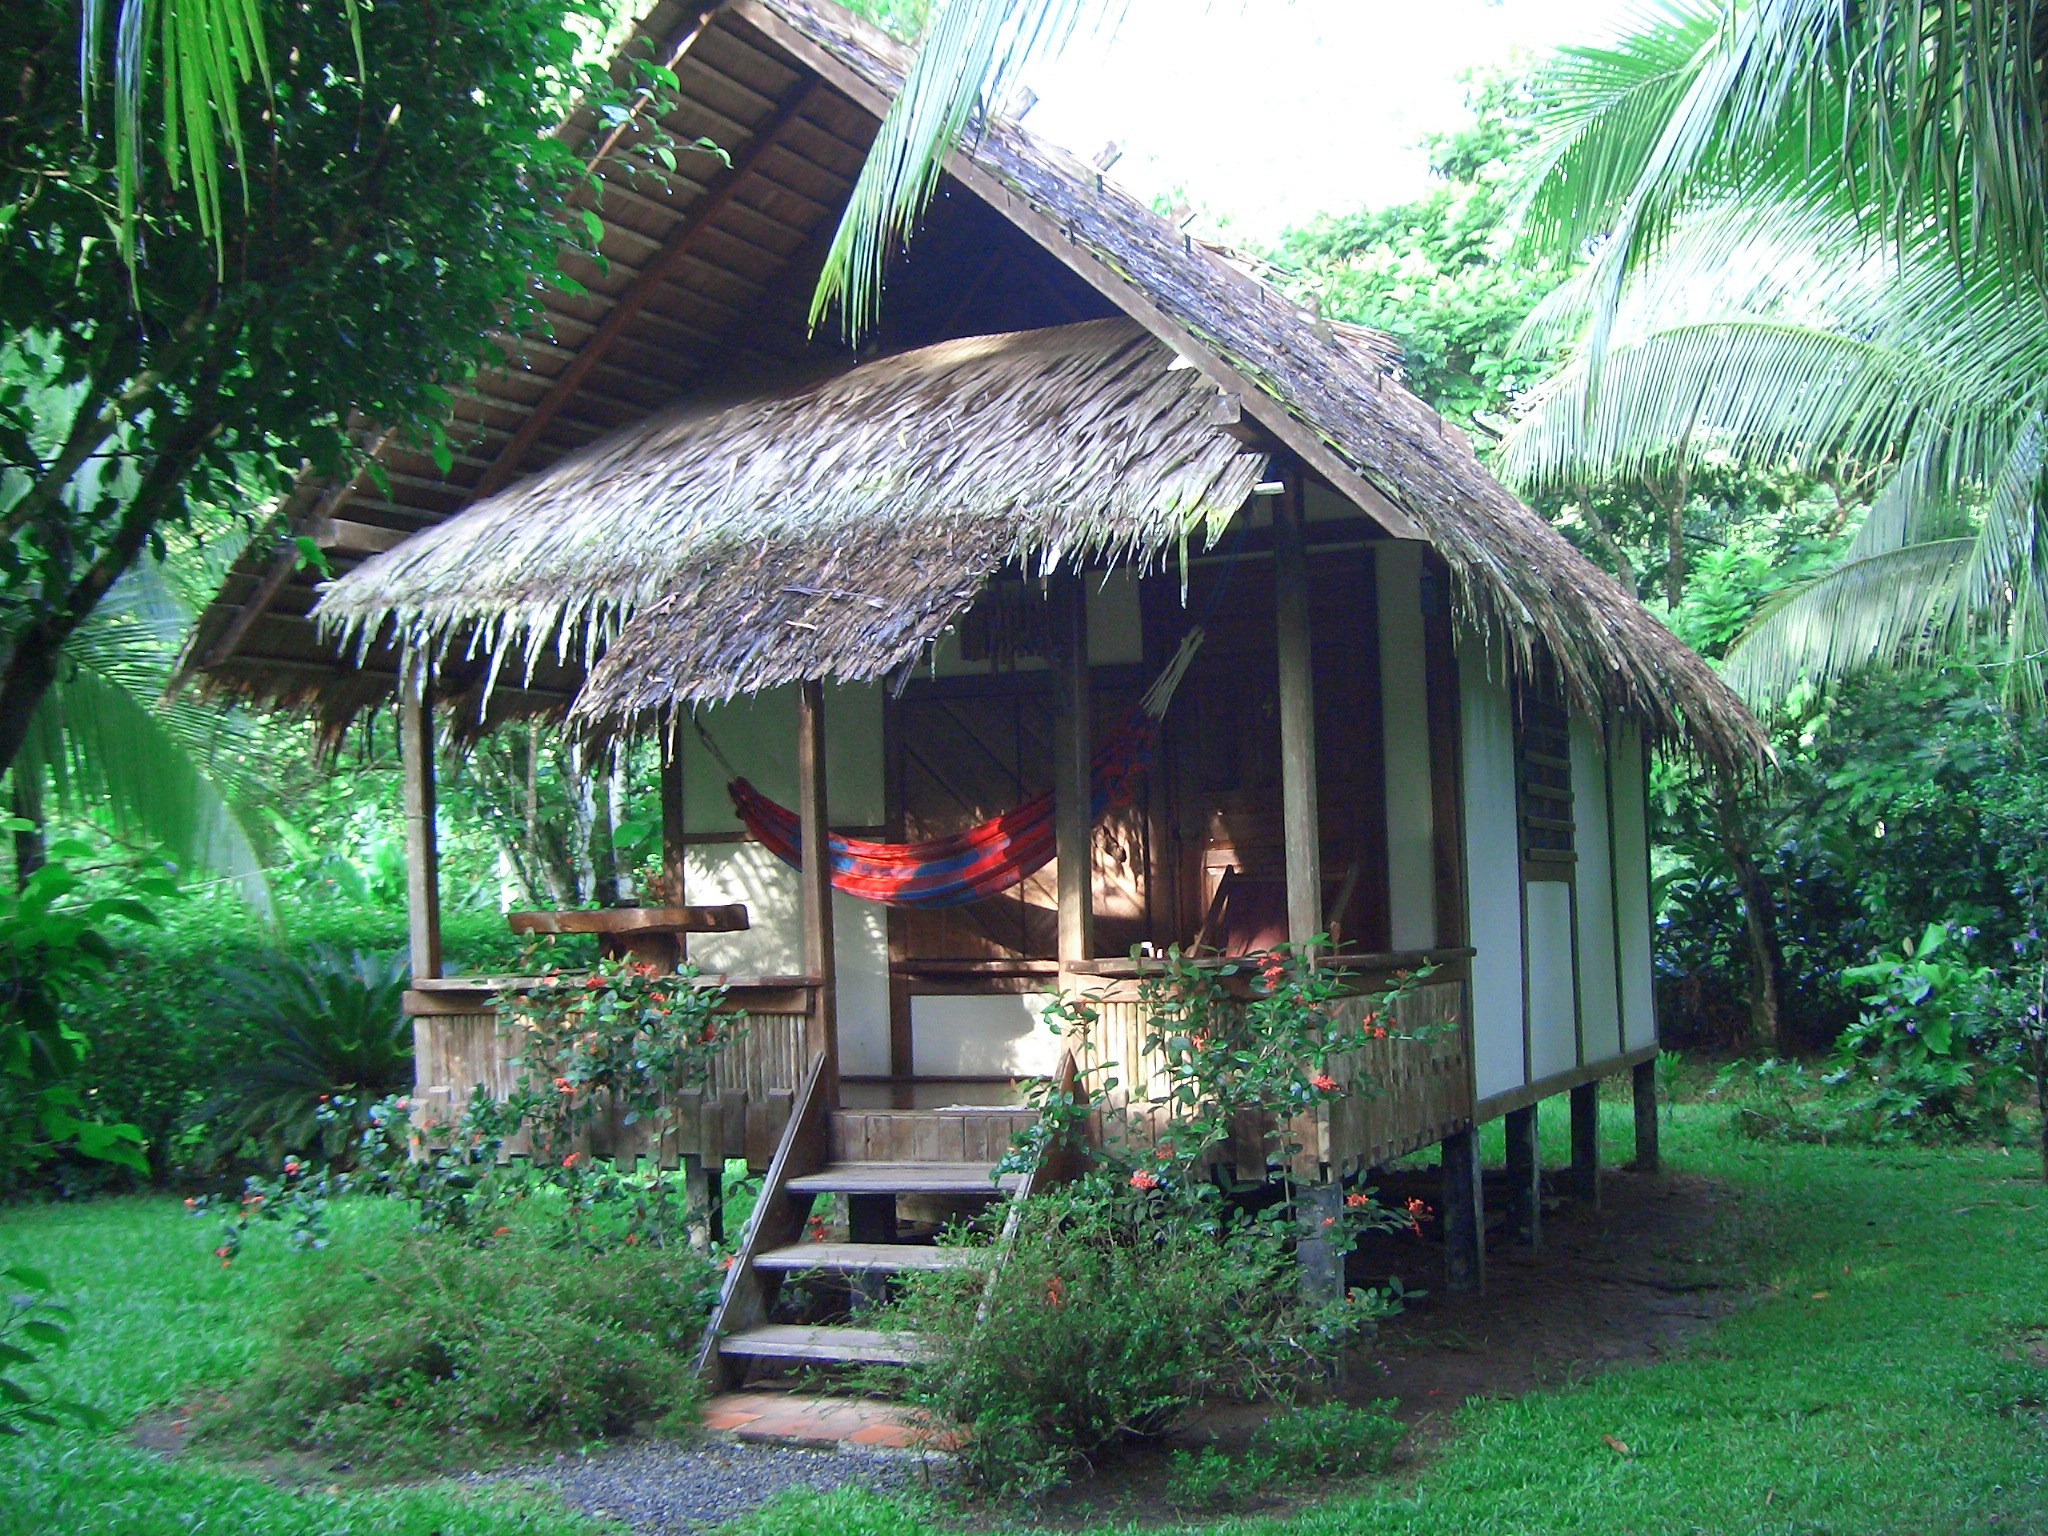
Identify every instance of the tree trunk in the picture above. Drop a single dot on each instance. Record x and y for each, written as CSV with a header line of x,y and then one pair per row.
x,y
1759,919
604,853
1674,553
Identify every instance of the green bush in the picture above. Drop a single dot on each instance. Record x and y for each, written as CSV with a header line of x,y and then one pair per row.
x,y
329,1027
1120,1306
1330,1439
431,1351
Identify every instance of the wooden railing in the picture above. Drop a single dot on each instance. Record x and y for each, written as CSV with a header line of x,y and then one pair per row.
x,y
1403,1093
458,1044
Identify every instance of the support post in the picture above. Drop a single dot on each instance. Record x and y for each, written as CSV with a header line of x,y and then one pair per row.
x,y
1464,1215
422,845
815,885
1073,779
1297,719
1586,1144
1525,1178
674,871
1644,1080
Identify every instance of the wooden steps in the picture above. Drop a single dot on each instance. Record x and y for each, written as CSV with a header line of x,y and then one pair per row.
x,y
822,1346
871,1159
903,1179
865,1258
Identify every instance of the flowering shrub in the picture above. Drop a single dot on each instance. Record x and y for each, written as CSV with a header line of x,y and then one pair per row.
x,y
1147,1286
628,1036
1123,1302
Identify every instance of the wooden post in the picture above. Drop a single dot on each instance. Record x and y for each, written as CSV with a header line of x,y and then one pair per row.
x,y
815,885
674,871
1586,1144
1464,1215
1297,719
1645,1084
1525,1178
422,846
1073,781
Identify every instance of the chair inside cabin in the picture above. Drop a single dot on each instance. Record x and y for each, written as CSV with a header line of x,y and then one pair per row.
x,y
1248,913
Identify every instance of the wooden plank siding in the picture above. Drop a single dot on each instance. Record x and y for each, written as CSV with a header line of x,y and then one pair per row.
x,y
739,1113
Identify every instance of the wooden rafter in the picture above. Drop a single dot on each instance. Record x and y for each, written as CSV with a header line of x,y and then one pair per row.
x,y
675,252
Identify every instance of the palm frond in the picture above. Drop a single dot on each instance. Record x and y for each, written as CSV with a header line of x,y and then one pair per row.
x,y
167,772
973,52
195,57
1873,611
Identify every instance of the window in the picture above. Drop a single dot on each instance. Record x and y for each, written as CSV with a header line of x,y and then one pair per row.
x,y
1543,748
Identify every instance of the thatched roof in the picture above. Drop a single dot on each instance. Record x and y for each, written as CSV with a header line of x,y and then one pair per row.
x,y
832,531
706,288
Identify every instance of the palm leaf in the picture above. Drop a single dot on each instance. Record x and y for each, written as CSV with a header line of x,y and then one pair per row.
x,y
165,772
201,55
973,52
1876,610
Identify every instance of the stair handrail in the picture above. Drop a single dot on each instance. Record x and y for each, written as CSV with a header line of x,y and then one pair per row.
x,y
804,1148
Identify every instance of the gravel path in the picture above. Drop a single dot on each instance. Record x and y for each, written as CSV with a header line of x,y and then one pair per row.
x,y
676,1488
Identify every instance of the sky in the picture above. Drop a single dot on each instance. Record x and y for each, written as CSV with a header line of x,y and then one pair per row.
x,y
1265,112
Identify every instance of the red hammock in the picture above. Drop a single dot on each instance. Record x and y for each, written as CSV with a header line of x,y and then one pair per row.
x,y
983,860
966,866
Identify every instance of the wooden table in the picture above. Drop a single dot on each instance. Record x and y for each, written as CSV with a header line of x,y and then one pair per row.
x,y
642,933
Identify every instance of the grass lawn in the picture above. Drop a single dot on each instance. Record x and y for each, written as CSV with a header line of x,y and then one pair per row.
x,y
1860,1394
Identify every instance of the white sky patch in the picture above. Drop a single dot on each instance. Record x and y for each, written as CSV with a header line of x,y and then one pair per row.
x,y
1266,112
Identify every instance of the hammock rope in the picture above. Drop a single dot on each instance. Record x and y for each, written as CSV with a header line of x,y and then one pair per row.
x,y
983,860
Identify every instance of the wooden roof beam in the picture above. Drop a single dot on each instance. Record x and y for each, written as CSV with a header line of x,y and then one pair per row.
x,y
667,262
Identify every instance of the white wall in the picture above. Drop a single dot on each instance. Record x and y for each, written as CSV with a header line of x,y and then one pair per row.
x,y
1553,993
1599,993
1000,1035
758,735
1404,712
1632,889
1493,870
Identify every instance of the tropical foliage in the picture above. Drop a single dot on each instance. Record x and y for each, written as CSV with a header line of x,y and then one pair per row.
x,y
354,250
1813,237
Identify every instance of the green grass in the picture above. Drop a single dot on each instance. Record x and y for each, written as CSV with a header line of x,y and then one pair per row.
x,y
1868,1410
159,1322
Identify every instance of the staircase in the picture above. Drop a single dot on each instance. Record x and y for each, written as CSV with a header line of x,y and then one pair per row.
x,y
876,1160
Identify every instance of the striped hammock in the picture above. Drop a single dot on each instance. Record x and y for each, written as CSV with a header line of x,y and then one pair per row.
x,y
984,860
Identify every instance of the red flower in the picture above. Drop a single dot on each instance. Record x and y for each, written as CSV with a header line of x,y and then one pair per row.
x,y
1358,1202
1417,1210
565,1085
501,1232
570,1160
1322,1082
1143,1180
1055,1292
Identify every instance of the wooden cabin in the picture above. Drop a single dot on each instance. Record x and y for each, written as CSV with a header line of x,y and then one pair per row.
x,y
904,590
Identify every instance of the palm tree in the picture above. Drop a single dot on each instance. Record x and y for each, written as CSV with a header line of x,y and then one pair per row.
x,y
1815,231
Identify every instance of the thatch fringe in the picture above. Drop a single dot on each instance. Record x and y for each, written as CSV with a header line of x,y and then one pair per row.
x,y
1515,578
831,532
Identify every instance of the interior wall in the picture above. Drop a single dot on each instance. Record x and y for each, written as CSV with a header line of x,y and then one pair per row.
x,y
1404,705
1599,994
987,1035
758,735
1493,872
1632,889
